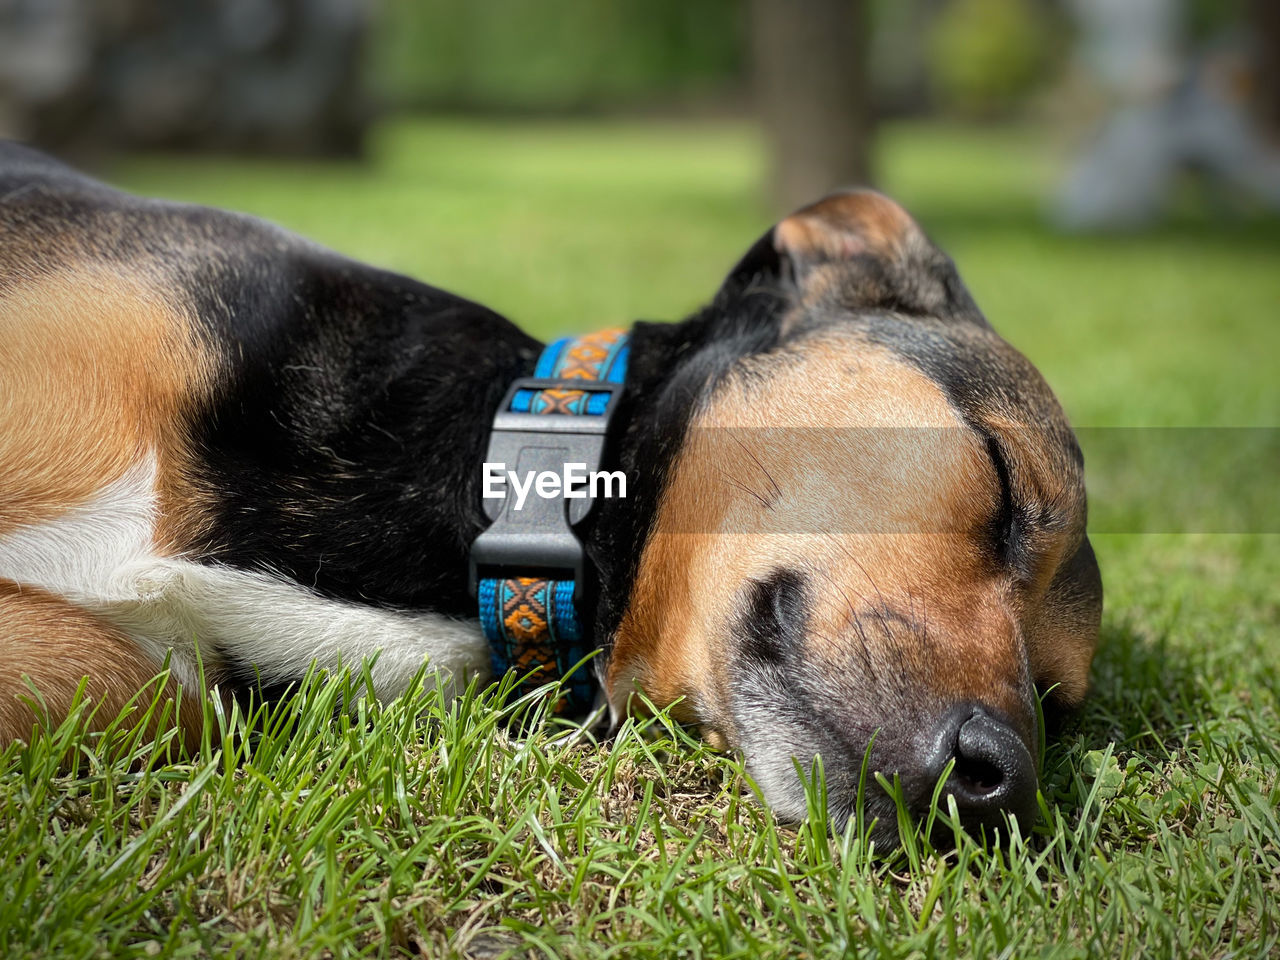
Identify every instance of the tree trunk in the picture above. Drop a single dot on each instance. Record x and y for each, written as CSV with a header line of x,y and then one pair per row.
x,y
1264,17
813,95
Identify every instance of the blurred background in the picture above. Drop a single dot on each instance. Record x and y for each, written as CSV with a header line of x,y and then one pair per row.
x,y
1106,173
1168,85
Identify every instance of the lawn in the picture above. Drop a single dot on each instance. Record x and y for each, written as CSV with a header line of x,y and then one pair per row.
x,y
422,828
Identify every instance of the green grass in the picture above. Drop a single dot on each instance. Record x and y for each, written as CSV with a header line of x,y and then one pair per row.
x,y
422,828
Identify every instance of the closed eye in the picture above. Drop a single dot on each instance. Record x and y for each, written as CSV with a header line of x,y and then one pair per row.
x,y
1005,523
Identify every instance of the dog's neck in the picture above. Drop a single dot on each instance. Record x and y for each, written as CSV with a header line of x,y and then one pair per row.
x,y
362,477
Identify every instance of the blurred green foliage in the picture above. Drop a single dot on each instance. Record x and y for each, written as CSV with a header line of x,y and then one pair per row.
x,y
1206,18
985,54
570,225
555,55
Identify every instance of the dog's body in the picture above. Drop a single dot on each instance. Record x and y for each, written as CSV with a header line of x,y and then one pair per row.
x,y
212,431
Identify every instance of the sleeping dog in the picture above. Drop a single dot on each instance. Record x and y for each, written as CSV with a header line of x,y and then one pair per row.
x,y
854,526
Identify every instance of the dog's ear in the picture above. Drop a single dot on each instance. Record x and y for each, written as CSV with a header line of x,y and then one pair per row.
x,y
859,250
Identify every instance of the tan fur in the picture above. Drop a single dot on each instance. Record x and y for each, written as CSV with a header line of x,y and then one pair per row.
x,y
97,371
766,473
1060,645
844,225
55,645
1060,626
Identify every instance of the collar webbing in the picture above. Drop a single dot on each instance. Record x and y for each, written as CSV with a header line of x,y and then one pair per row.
x,y
527,568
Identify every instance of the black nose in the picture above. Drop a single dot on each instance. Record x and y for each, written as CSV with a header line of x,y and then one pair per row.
x,y
993,774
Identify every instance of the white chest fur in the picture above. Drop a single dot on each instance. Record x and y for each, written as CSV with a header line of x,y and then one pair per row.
x,y
101,556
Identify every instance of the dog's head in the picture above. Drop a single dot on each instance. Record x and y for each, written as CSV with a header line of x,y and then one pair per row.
x,y
871,542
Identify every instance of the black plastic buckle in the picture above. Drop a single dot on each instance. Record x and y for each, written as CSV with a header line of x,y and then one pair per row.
x,y
538,539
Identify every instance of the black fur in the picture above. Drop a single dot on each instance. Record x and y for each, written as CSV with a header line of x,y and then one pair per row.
x,y
343,445
773,619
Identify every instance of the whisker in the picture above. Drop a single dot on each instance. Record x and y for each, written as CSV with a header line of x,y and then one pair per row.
x,y
777,490
745,489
